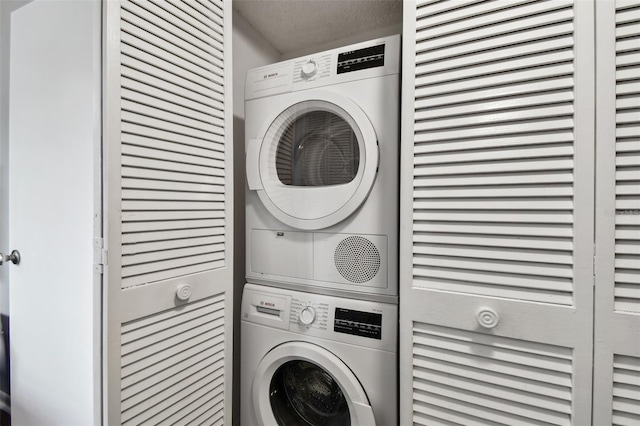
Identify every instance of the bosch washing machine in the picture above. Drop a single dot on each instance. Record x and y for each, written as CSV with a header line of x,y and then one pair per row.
x,y
310,359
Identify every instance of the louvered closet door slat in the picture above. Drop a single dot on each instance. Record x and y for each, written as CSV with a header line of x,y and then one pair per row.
x,y
169,154
433,112
171,95
432,87
510,93
192,14
186,45
516,27
161,58
136,70
168,23
617,314
195,27
168,43
158,66
480,52
433,15
497,198
185,115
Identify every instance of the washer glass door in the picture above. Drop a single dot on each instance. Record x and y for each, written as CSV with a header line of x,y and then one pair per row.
x,y
303,393
317,161
300,383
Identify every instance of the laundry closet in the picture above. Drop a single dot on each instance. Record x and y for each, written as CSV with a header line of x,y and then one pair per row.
x,y
125,178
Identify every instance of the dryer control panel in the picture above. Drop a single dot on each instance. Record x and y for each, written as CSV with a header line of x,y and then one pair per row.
x,y
361,61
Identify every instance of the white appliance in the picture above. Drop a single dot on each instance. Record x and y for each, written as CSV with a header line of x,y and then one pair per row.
x,y
310,359
322,156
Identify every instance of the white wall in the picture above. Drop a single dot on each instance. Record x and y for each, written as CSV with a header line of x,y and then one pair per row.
x,y
250,50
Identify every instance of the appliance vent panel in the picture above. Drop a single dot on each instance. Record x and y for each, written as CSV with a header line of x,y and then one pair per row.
x,y
627,214
173,366
172,115
493,210
357,259
626,390
465,377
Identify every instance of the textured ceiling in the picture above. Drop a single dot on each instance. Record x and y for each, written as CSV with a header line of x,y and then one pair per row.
x,y
293,25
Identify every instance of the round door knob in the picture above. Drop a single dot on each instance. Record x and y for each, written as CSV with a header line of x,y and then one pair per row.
x,y
307,315
309,68
487,317
184,292
14,258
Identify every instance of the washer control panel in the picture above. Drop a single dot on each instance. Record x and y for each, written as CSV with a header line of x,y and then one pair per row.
x,y
334,318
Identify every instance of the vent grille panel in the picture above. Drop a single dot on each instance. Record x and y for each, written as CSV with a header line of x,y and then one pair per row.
x,y
494,149
463,377
173,135
173,365
357,259
627,214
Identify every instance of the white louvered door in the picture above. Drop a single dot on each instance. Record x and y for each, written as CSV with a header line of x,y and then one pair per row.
x,y
168,225
497,213
617,313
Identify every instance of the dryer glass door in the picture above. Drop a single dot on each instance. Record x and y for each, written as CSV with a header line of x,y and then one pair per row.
x,y
317,161
318,148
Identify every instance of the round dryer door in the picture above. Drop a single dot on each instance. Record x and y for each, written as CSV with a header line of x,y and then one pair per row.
x,y
316,161
299,383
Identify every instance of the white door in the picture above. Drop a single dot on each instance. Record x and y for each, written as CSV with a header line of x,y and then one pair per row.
x,y
497,213
54,117
168,209
617,299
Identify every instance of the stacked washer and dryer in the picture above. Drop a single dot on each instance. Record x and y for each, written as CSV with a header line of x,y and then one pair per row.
x,y
319,310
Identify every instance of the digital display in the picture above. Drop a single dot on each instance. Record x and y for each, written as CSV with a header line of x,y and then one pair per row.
x,y
354,60
358,323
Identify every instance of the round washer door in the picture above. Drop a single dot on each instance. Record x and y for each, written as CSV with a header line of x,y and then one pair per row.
x,y
304,384
317,160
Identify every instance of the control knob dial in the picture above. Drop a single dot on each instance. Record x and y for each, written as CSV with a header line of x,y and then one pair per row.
x,y
310,68
307,315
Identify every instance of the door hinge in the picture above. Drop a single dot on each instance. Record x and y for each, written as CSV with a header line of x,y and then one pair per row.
x,y
100,255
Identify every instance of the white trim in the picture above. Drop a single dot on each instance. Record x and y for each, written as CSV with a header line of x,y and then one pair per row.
x,y
605,210
583,208
405,266
112,210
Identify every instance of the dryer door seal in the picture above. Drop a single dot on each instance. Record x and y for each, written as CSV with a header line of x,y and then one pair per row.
x,y
339,385
316,161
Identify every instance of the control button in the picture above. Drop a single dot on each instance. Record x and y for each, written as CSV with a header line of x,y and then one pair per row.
x,y
307,315
310,68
